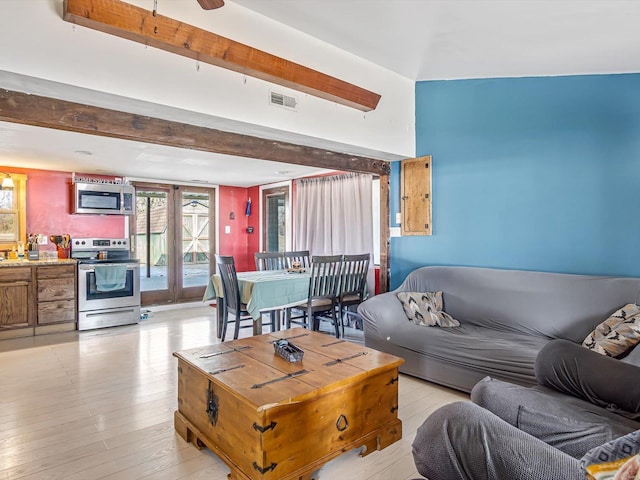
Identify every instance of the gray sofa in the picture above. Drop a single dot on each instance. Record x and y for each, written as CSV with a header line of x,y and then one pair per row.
x,y
506,316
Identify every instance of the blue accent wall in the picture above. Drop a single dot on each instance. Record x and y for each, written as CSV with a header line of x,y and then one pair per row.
x,y
529,173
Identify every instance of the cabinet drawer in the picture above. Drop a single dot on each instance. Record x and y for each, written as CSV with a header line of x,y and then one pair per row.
x,y
56,312
56,271
8,274
56,289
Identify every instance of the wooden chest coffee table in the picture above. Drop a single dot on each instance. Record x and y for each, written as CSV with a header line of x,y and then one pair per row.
x,y
268,418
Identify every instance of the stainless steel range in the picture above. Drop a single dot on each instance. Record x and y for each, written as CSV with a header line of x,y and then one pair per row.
x,y
108,282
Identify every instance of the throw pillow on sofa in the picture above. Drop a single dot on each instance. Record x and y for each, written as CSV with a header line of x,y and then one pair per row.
x,y
616,456
617,334
426,309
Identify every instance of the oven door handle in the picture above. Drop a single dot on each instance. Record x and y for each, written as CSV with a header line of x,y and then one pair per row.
x,y
91,268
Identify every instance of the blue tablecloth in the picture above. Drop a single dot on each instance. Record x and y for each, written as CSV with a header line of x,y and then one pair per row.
x,y
264,290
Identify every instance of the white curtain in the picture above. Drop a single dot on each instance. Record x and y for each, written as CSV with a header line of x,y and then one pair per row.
x,y
334,215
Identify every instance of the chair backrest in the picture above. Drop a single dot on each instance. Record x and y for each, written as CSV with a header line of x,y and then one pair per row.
x,y
325,276
227,271
353,279
269,260
301,256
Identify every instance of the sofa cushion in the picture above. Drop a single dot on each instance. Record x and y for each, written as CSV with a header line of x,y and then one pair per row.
x,y
552,305
632,356
426,309
569,435
617,334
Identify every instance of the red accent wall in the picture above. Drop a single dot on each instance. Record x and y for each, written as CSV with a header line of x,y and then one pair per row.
x,y
238,242
49,206
253,239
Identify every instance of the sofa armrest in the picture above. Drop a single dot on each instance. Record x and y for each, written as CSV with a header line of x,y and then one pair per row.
x,y
381,314
604,381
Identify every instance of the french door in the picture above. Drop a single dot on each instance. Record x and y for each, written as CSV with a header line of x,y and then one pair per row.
x,y
173,237
276,219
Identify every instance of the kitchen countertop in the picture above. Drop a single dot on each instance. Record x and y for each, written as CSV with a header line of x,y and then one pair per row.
x,y
36,263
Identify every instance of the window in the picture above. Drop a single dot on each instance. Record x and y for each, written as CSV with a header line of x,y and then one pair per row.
x,y
13,213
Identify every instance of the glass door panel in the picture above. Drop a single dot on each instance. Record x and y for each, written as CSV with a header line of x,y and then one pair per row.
x,y
275,205
196,233
151,235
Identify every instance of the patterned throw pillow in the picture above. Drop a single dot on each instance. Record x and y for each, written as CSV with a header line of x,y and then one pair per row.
x,y
426,309
619,456
617,334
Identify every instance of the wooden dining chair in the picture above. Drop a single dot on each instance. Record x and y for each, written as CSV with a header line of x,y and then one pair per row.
x,y
232,301
353,283
323,293
269,261
301,256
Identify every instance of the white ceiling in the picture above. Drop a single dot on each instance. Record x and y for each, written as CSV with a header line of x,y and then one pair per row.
x,y
418,39
454,39
48,149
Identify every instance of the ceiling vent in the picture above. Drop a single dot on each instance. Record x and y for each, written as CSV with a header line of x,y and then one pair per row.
x,y
281,100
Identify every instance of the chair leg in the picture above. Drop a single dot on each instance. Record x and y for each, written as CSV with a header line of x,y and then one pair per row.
x,y
343,314
335,322
287,318
314,321
220,306
236,331
225,320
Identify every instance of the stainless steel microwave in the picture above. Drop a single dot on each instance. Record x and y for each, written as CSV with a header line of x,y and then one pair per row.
x,y
103,199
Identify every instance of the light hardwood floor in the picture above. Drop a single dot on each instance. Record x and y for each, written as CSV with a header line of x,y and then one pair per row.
x,y
99,405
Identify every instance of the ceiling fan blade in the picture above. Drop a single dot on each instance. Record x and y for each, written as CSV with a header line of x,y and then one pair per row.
x,y
211,4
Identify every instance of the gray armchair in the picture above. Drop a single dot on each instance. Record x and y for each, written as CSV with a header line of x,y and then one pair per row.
x,y
583,404
463,441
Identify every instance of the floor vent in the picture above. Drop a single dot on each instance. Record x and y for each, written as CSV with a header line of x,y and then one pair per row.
x,y
282,100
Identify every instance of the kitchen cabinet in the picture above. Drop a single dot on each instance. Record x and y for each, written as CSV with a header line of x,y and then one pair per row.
x,y
37,297
16,302
56,298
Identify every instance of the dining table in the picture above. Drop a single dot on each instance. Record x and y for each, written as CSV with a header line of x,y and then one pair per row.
x,y
262,291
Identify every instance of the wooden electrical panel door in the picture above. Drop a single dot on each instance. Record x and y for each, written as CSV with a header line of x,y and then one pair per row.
x,y
415,191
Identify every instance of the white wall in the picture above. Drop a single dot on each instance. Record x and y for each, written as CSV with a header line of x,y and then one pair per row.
x,y
37,42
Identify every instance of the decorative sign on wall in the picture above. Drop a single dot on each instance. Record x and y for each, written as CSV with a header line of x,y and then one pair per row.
x,y
75,178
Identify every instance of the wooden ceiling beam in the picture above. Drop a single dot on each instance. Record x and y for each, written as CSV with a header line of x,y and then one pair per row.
x,y
27,109
134,23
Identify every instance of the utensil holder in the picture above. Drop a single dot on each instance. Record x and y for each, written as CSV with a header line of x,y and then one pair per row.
x,y
288,351
63,252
